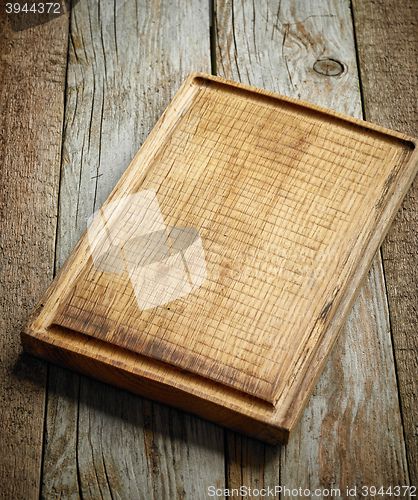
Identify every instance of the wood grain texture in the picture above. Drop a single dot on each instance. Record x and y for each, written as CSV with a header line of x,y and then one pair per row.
x,y
111,443
276,47
382,44
298,220
348,402
251,463
387,37
32,81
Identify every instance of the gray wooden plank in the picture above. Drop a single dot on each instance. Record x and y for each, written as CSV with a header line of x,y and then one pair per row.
x,y
126,61
32,81
252,464
387,38
276,45
351,432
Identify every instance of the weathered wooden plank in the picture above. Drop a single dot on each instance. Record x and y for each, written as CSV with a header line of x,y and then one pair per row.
x,y
276,45
251,464
126,61
387,38
32,81
351,432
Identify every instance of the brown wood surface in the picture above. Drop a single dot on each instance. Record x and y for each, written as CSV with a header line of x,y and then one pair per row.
x,y
32,81
387,38
323,453
89,440
299,225
126,61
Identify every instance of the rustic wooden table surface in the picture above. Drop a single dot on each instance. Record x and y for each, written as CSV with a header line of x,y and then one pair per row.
x,y
78,95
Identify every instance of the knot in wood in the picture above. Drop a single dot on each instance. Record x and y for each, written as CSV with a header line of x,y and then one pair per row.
x,y
328,67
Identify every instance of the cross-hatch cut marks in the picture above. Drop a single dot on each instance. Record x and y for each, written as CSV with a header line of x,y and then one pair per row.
x,y
129,236
284,199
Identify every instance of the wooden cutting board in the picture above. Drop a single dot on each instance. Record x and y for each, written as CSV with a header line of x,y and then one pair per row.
x,y
218,273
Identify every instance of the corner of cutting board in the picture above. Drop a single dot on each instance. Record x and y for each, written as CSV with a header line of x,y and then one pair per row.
x,y
90,362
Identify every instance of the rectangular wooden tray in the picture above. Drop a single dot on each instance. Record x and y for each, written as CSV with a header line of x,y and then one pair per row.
x,y
218,273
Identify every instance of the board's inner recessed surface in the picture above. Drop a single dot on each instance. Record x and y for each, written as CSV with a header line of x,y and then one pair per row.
x,y
221,268
283,199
